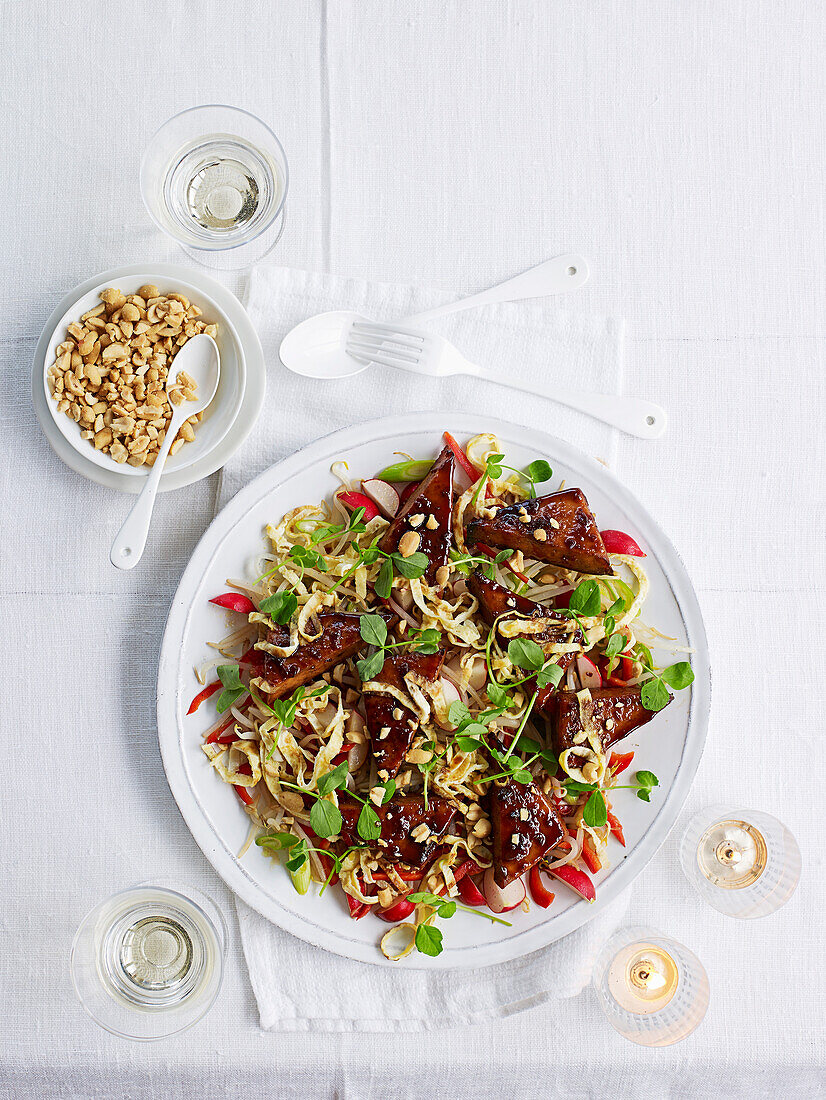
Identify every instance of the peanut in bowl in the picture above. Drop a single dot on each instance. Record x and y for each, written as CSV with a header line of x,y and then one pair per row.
x,y
107,366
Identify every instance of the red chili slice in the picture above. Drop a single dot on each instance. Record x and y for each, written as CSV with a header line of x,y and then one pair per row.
x,y
539,892
216,734
242,792
203,695
619,761
489,552
616,827
234,601
462,458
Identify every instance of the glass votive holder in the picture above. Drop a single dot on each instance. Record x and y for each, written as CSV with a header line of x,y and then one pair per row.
x,y
148,962
744,863
652,989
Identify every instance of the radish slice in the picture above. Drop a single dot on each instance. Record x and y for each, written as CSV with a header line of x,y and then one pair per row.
x,y
354,501
588,672
617,542
502,899
356,757
577,880
408,491
382,494
451,695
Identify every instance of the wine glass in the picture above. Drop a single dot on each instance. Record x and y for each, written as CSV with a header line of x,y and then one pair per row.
x,y
215,178
148,962
744,863
652,989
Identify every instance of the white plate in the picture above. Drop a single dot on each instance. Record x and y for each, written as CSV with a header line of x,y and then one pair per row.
x,y
670,746
230,416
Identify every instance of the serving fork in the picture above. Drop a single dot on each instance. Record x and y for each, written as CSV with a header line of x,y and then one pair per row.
x,y
424,353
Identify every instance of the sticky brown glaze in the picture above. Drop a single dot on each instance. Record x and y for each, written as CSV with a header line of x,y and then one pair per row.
x,y
575,543
520,843
340,638
434,498
399,818
389,751
620,707
495,600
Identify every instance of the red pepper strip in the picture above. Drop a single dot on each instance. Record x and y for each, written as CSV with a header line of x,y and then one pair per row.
x,y
354,501
489,552
617,542
216,734
470,893
539,892
626,667
563,599
242,792
251,657
357,908
619,761
462,458
204,694
468,867
405,876
342,755
616,828
234,601
589,852
399,910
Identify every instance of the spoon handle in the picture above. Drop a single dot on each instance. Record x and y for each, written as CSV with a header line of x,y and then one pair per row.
x,y
127,549
562,273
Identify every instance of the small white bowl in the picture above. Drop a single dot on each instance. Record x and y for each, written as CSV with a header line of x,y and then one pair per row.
x,y
222,411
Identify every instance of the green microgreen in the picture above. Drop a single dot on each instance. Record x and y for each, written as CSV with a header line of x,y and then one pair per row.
x,y
230,677
373,630
429,939
280,607
535,473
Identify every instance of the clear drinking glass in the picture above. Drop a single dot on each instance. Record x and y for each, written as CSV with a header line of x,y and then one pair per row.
x,y
652,989
744,863
148,961
215,178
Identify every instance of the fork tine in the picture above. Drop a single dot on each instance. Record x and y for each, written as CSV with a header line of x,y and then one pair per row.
x,y
378,349
373,327
379,339
388,361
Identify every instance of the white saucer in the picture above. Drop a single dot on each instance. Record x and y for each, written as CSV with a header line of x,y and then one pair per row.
x,y
250,352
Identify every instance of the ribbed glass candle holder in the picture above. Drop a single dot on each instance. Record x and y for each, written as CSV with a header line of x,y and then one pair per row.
x,y
744,863
652,989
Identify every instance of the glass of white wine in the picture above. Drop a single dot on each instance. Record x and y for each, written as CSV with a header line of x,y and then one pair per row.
x,y
148,962
652,989
215,179
744,863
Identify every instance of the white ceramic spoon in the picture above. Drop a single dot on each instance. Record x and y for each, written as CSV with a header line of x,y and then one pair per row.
x,y
315,348
200,358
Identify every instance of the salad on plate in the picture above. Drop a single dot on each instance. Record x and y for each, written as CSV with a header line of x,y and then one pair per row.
x,y
422,701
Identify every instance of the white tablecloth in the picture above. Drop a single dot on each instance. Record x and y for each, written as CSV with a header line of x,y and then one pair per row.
x,y
680,147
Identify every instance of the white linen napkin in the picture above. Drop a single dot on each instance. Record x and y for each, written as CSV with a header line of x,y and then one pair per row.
x,y
299,987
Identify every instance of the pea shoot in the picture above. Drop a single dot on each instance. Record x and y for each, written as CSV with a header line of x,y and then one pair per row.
x,y
373,630
429,939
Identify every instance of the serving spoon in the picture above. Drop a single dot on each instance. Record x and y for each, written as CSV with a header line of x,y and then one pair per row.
x,y
201,360
315,348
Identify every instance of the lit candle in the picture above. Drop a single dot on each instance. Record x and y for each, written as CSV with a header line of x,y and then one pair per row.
x,y
742,862
653,990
